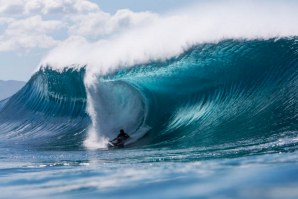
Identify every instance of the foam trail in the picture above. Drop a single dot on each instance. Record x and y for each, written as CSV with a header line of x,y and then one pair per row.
x,y
93,140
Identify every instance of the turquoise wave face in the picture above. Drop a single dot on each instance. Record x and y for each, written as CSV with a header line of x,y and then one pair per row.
x,y
233,94
48,111
225,96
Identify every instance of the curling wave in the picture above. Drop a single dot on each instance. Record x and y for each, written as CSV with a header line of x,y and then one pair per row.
x,y
231,94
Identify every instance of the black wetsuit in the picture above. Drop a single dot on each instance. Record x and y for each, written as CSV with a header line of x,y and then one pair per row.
x,y
120,139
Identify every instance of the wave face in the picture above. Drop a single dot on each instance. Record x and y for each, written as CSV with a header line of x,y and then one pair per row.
x,y
231,94
48,111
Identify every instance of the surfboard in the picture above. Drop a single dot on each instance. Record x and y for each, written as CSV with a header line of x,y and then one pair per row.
x,y
115,145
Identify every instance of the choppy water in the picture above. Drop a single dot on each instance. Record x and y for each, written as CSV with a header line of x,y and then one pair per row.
x,y
135,173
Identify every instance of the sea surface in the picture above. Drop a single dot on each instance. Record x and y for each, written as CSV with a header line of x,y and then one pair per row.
x,y
218,121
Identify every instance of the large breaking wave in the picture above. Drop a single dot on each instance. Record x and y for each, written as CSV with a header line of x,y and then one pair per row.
x,y
233,93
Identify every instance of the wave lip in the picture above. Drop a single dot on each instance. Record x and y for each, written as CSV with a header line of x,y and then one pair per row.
x,y
174,33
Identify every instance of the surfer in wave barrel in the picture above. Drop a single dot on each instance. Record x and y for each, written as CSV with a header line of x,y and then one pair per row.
x,y
119,140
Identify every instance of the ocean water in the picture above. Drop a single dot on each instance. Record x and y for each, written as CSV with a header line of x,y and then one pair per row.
x,y
218,121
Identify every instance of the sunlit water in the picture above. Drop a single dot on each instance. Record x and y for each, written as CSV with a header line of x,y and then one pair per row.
x,y
145,173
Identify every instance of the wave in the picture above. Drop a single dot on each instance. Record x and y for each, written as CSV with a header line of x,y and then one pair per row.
x,y
49,109
234,93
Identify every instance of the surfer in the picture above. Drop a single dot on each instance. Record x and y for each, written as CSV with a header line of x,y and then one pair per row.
x,y
120,139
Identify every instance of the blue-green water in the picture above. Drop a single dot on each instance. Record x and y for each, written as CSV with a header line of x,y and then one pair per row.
x,y
218,121
134,173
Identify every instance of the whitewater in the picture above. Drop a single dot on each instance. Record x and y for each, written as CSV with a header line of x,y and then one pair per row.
x,y
207,93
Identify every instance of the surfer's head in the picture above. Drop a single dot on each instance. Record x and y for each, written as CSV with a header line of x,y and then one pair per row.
x,y
122,131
